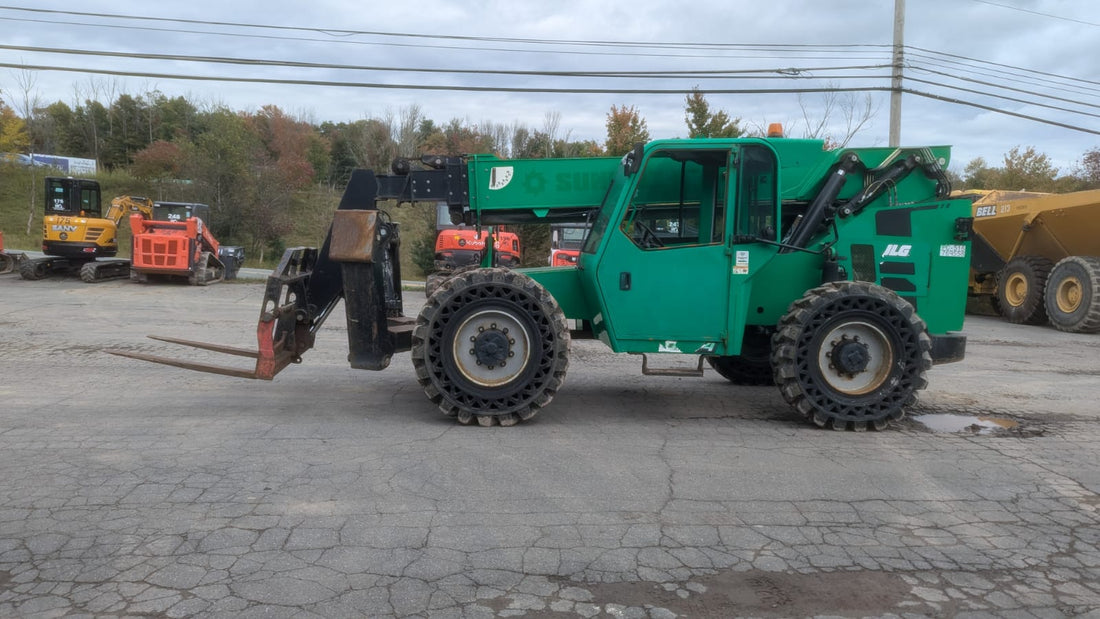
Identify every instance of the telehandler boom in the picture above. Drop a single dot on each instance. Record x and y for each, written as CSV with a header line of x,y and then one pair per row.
x,y
840,276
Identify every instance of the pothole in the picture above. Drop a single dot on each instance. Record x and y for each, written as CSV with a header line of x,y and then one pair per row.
x,y
966,424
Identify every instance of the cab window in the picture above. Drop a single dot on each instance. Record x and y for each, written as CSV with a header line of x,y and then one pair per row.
x,y
679,200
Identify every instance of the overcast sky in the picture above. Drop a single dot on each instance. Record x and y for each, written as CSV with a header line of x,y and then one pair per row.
x,y
1037,51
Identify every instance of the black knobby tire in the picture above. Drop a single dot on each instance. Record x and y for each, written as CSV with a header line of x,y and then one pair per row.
x,y
432,283
753,366
1020,290
34,269
7,263
88,272
491,346
436,279
1073,295
851,355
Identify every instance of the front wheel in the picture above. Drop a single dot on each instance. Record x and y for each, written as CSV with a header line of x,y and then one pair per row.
x,y
492,346
851,355
1073,295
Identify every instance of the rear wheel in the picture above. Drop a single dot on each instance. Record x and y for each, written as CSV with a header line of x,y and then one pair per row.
x,y
851,355
7,263
491,346
753,366
1020,286
1073,295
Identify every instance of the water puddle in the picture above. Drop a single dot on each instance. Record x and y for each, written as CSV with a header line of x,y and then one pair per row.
x,y
965,424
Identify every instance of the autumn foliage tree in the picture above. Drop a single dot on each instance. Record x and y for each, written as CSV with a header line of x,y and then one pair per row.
x,y
159,160
13,131
625,127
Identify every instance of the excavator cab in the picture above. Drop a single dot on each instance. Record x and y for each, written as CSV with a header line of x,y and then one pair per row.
x,y
73,197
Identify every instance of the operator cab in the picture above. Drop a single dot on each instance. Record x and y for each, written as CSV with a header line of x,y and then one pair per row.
x,y
73,197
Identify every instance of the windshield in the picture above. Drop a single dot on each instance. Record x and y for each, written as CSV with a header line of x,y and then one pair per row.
x,y
604,218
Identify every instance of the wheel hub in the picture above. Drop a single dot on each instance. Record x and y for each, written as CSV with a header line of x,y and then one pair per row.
x,y
1068,295
1016,289
855,357
491,347
850,356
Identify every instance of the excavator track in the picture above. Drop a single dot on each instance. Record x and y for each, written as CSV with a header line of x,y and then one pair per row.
x,y
104,270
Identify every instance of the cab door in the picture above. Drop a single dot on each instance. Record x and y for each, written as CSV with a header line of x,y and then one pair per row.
x,y
665,272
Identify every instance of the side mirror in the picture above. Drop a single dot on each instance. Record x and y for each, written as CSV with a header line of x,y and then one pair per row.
x,y
632,161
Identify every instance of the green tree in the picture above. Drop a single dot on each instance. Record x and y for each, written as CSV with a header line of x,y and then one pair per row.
x,y
978,175
128,131
702,123
219,163
1088,169
1028,170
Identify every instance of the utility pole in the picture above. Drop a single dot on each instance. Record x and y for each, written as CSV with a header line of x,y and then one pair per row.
x,y
895,83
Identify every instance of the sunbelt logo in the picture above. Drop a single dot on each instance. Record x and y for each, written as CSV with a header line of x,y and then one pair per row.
x,y
894,250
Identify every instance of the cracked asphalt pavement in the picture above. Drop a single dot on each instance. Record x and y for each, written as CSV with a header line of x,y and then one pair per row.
x,y
130,489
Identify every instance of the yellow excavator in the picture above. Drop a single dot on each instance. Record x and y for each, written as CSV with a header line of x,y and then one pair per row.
x,y
77,237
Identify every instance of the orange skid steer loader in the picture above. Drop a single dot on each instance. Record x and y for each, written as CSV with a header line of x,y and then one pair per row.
x,y
175,243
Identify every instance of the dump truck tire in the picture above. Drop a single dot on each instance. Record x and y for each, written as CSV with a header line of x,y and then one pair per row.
x,y
1073,295
753,367
1020,289
851,356
491,346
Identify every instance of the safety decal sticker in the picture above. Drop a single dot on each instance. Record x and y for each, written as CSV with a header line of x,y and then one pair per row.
x,y
500,176
741,263
668,346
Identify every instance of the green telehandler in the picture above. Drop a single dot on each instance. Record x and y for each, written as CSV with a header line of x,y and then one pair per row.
x,y
840,276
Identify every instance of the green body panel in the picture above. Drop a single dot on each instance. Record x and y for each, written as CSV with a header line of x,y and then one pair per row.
x,y
502,191
719,208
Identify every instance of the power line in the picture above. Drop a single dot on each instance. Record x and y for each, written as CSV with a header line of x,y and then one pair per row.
x,y
1023,10
1019,90
636,91
1007,66
709,55
528,41
781,72
1000,74
989,108
447,87
1003,97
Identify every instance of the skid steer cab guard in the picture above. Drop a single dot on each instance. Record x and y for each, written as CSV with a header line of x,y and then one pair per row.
x,y
839,276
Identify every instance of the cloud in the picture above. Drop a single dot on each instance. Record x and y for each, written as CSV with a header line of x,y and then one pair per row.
x,y
960,38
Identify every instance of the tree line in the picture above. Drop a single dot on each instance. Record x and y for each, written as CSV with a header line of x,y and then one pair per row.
x,y
272,179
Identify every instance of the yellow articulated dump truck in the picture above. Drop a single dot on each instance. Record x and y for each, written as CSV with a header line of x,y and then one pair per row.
x,y
1037,255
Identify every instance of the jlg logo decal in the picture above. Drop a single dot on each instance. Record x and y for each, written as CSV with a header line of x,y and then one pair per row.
x,y
897,251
